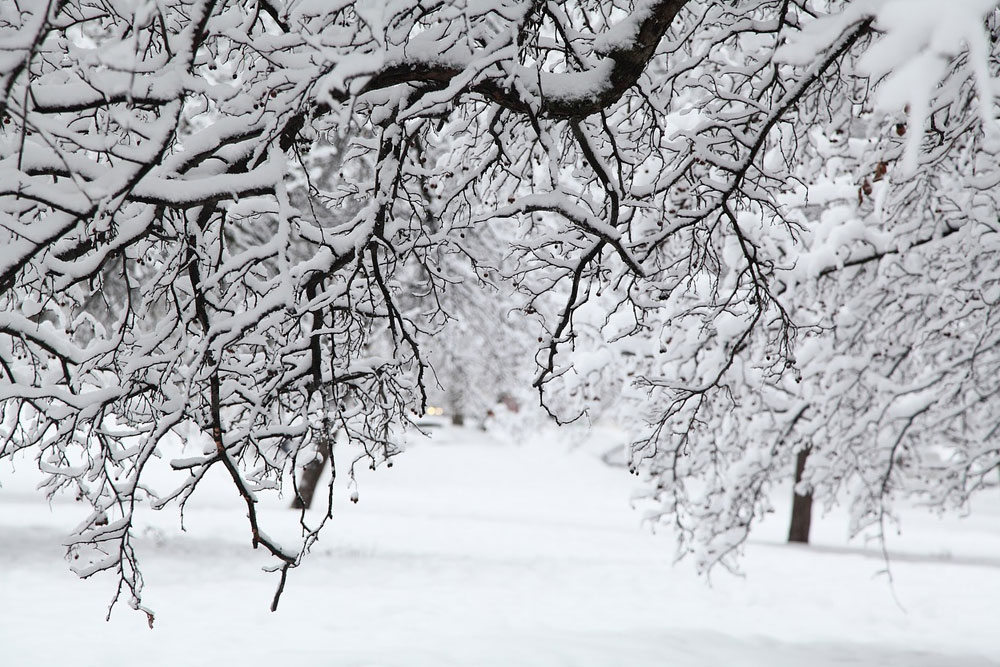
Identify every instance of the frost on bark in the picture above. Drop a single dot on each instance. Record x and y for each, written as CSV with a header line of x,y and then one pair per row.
x,y
802,500
711,207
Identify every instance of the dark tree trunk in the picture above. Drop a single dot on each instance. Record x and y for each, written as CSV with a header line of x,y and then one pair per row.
x,y
801,504
311,473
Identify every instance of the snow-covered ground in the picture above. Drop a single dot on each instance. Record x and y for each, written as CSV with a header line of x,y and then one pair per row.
x,y
474,552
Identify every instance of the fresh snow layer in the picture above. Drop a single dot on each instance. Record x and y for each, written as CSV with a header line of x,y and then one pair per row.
x,y
471,551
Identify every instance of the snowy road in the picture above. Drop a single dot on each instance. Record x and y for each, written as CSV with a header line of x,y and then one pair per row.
x,y
475,553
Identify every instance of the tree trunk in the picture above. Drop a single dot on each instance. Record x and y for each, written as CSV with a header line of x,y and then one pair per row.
x,y
311,473
801,504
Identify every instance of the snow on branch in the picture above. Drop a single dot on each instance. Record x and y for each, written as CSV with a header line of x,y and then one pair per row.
x,y
253,236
